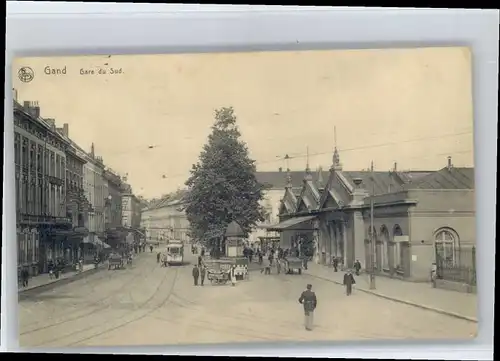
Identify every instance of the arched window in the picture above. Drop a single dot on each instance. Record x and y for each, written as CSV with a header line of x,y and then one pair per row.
x,y
384,234
397,231
447,245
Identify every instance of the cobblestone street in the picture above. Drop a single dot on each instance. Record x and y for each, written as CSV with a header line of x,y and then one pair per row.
x,y
146,304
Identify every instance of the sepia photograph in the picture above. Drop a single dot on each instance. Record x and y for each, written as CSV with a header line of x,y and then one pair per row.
x,y
277,196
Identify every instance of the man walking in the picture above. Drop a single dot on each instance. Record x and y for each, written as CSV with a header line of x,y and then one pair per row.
x,y
357,267
348,282
335,264
202,274
309,301
196,274
25,276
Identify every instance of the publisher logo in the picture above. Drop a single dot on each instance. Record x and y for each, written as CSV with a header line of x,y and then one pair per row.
x,y
26,74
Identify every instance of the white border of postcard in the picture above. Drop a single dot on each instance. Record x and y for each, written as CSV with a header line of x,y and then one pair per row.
x,y
44,28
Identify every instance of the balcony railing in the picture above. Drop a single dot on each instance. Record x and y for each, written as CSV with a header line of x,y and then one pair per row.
x,y
31,218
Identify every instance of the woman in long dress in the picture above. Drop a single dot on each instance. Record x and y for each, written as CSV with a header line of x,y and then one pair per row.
x,y
232,276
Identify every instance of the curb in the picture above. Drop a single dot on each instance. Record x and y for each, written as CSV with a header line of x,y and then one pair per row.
x,y
60,282
406,302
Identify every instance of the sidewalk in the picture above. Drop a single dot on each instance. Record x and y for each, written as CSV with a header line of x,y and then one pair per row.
x,y
44,280
422,295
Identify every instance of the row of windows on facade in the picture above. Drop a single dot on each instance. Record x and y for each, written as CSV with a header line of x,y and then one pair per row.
x,y
447,238
38,200
46,163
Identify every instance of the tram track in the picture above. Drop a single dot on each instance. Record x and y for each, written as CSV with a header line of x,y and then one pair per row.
x,y
134,318
94,305
126,318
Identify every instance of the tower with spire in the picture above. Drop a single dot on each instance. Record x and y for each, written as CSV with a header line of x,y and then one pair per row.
x,y
336,165
308,176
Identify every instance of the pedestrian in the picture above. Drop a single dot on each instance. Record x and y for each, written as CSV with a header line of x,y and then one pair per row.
x,y
25,275
158,256
202,275
200,260
151,248
348,282
232,275
278,265
357,267
433,274
335,264
196,275
304,261
309,301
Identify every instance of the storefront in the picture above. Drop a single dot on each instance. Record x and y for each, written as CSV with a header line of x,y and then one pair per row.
x,y
28,246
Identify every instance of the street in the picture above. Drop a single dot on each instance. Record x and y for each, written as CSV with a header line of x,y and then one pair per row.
x,y
145,304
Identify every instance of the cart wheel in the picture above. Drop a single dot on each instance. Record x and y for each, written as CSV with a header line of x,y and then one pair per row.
x,y
300,271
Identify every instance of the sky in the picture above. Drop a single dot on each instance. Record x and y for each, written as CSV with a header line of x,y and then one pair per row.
x,y
150,115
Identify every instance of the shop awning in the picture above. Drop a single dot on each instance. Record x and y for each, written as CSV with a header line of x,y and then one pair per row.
x,y
289,223
96,241
99,243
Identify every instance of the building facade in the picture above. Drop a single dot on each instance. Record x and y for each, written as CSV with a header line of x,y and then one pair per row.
x,y
115,235
166,219
417,216
40,162
274,183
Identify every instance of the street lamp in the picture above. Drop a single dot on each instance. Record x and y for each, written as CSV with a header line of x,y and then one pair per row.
x,y
372,233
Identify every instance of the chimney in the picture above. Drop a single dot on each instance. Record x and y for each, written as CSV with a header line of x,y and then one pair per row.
x,y
32,108
14,94
395,167
357,182
66,129
51,122
280,169
92,152
449,163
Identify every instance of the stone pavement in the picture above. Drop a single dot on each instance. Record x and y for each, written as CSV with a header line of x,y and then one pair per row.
x,y
44,279
422,295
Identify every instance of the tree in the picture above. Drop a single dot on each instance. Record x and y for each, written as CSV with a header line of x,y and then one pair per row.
x,y
222,187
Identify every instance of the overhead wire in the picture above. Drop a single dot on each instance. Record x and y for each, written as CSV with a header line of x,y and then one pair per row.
x,y
343,150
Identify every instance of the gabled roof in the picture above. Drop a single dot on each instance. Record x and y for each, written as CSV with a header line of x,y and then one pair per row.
x,y
278,180
377,182
452,178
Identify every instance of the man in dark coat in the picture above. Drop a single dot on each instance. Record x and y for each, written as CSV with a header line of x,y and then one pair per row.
x,y
196,274
357,267
202,274
348,282
25,275
335,264
309,300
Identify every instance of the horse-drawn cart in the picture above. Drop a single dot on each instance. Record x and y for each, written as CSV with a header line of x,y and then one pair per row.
x,y
218,271
115,261
217,277
293,264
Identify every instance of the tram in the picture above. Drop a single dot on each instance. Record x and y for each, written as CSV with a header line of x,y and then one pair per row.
x,y
175,253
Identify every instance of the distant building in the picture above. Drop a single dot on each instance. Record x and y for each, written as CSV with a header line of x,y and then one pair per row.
x,y
166,219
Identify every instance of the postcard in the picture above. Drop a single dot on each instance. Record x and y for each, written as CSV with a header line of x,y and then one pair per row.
x,y
245,197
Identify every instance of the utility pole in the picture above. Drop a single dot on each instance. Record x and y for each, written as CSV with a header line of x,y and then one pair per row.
x,y
372,233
